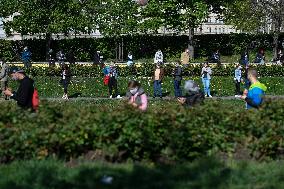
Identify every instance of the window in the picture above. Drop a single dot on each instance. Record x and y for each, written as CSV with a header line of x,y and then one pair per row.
x,y
216,30
209,20
209,30
223,30
220,31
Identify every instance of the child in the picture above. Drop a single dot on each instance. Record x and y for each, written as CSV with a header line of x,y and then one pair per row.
x,y
136,95
66,75
238,80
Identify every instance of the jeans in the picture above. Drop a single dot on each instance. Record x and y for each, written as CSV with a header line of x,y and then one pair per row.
x,y
158,88
178,92
65,83
206,84
112,86
238,88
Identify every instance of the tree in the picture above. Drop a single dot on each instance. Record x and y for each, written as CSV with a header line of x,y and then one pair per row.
x,y
256,15
47,17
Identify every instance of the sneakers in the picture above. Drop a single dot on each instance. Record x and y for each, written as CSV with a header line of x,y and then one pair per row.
x,y
238,96
118,97
110,96
65,97
209,96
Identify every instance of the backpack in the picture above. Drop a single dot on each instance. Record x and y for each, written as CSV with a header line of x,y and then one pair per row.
x,y
35,100
106,80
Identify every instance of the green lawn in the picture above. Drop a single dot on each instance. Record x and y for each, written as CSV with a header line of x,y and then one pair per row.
x,y
93,87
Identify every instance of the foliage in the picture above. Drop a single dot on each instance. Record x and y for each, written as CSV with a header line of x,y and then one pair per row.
x,y
118,134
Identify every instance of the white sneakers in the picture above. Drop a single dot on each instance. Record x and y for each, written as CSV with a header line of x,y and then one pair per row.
x,y
110,96
209,96
118,96
238,96
65,97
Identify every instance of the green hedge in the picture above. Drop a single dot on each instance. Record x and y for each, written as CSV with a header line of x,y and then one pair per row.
x,y
142,46
147,70
120,133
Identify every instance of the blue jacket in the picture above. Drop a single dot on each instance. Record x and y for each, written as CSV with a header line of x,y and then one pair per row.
x,y
238,75
255,95
106,70
26,56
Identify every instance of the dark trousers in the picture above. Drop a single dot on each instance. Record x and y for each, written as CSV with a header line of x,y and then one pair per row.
x,y
4,85
178,92
238,88
112,86
65,83
27,64
158,88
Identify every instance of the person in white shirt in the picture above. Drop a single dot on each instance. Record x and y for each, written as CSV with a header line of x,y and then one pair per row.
x,y
159,57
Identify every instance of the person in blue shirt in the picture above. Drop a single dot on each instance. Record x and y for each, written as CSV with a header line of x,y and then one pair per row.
x,y
26,57
254,96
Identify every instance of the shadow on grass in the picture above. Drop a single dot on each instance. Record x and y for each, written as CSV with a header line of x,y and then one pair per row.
x,y
202,174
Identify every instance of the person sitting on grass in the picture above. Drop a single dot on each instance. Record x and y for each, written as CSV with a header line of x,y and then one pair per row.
x,y
254,96
136,96
194,95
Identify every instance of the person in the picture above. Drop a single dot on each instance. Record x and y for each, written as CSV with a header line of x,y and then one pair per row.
x,y
216,58
254,96
112,84
130,59
280,57
206,78
26,57
193,95
137,96
61,57
159,57
106,71
184,59
51,58
238,80
25,92
245,58
4,77
71,57
158,78
177,74
66,76
247,82
97,58
260,57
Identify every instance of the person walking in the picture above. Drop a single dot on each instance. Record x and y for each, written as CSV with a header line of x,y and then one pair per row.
x,y
4,77
158,78
255,95
66,77
137,96
71,57
206,78
238,80
216,58
26,57
193,95
25,91
185,58
112,84
177,74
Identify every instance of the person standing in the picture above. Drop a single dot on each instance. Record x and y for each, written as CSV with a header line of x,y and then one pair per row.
x,y
238,80
71,57
158,78
97,57
130,59
206,78
66,76
245,58
51,58
26,57
25,92
254,96
184,59
260,57
177,74
112,84
159,57
4,77
137,96
216,58
61,57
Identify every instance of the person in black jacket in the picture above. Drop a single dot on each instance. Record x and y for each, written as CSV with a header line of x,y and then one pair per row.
x,y
177,74
24,94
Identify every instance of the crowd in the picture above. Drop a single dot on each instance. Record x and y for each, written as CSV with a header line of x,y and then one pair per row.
x,y
253,94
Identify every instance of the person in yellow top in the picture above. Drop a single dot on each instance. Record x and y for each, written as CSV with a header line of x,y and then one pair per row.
x,y
184,59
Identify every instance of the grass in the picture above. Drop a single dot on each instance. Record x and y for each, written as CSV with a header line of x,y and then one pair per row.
x,y
93,87
203,173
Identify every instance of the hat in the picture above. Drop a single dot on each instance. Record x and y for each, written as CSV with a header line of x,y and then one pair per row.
x,y
191,86
15,69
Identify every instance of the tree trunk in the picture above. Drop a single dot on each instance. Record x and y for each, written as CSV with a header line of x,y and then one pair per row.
x,y
47,45
275,42
190,42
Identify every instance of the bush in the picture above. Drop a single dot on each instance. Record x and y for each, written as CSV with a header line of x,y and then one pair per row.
x,y
121,133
